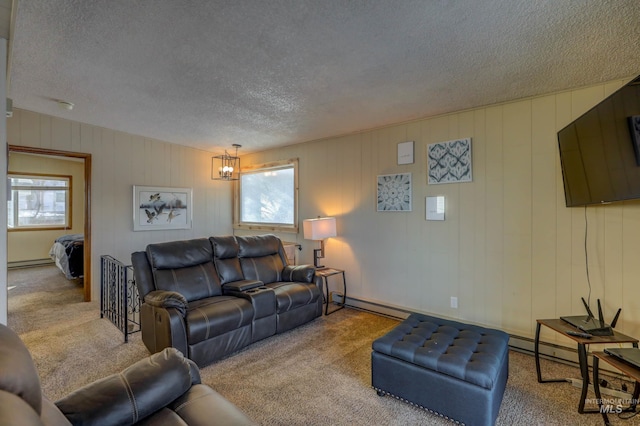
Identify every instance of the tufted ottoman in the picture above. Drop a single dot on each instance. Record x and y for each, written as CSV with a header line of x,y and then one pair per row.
x,y
458,371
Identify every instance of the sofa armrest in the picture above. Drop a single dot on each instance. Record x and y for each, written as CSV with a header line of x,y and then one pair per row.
x,y
16,411
200,403
298,273
167,299
137,392
242,285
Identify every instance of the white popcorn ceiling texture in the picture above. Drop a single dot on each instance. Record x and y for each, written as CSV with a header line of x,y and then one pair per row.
x,y
208,74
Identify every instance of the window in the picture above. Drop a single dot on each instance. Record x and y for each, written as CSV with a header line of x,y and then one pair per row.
x,y
39,202
266,197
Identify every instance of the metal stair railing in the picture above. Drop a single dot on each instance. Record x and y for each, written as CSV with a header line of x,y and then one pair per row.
x,y
119,299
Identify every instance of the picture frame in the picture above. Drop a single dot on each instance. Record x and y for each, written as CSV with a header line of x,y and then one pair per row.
x,y
449,162
157,208
394,193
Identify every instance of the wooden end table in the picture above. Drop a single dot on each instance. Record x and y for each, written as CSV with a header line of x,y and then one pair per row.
x,y
626,369
560,326
325,273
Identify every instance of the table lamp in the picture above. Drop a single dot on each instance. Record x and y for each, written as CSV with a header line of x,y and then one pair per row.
x,y
317,230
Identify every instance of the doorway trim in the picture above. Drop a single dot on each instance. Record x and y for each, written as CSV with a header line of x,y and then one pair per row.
x,y
87,204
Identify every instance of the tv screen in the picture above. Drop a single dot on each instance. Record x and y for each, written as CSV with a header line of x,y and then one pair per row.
x,y
600,151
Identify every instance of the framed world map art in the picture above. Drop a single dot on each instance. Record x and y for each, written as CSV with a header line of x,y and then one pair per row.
x,y
394,193
449,162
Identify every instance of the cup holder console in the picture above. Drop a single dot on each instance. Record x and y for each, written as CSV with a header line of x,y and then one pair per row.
x,y
256,289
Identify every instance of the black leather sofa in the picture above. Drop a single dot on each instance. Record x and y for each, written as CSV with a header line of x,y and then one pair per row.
x,y
163,389
210,297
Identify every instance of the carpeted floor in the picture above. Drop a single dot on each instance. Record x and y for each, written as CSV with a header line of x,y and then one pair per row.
x,y
317,374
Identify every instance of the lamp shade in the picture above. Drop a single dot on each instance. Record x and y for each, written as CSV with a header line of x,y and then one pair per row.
x,y
320,228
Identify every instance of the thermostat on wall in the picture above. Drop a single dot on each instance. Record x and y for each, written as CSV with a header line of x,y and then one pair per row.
x,y
435,208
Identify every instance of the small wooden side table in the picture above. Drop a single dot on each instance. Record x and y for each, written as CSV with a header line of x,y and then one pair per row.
x,y
560,326
627,369
325,273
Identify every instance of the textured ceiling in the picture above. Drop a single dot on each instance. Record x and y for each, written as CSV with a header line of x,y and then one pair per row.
x,y
208,74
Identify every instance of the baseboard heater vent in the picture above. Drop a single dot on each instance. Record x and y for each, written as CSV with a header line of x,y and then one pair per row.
x,y
29,263
526,345
119,299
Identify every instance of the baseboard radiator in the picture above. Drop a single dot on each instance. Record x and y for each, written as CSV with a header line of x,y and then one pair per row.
x,y
29,263
119,299
526,345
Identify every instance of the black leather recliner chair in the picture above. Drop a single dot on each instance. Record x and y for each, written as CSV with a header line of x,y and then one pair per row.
x,y
163,389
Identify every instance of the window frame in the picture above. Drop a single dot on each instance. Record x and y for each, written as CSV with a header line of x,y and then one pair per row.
x,y
257,226
68,202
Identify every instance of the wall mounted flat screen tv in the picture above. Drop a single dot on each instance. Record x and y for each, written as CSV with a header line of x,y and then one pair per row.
x,y
600,151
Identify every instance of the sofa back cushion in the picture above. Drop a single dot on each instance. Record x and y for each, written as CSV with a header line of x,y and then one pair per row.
x,y
225,257
260,258
185,267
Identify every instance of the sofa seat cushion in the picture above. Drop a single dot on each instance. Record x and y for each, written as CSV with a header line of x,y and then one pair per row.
x,y
214,316
292,295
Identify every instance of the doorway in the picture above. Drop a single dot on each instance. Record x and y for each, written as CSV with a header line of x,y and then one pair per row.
x,y
86,159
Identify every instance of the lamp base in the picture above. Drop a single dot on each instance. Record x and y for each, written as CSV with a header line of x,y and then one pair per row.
x,y
316,256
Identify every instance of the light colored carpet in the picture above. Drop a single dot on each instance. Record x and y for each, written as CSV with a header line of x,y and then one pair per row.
x,y
317,374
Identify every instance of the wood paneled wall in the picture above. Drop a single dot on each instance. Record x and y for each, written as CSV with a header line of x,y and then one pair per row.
x,y
509,249
119,161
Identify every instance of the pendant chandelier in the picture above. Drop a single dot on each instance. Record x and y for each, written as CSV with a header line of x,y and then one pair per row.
x,y
226,166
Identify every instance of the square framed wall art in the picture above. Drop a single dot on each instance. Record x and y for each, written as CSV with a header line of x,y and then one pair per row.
x,y
449,162
157,208
394,193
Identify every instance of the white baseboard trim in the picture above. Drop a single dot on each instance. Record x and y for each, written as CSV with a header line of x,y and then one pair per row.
x,y
365,305
526,345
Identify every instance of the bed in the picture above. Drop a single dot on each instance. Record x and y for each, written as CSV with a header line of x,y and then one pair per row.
x,y
68,253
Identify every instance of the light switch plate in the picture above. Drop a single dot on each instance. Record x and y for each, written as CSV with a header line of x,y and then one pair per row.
x,y
405,152
435,208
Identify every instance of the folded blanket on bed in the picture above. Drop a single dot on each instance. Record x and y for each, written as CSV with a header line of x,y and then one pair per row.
x,y
68,253
69,238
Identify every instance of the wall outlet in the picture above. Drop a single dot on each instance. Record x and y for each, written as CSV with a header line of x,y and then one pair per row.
x,y
454,302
